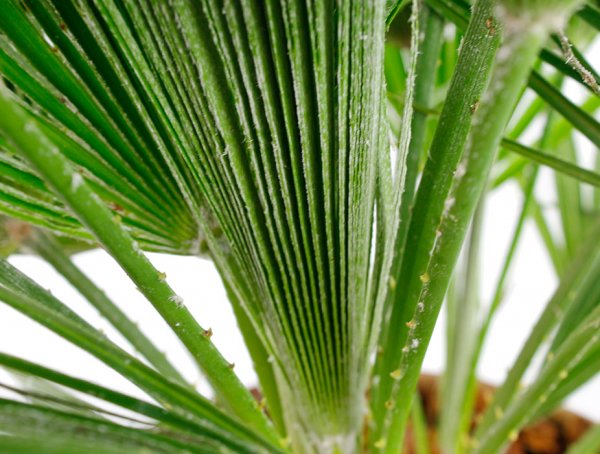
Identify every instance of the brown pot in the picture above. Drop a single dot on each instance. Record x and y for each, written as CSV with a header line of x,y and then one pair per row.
x,y
551,435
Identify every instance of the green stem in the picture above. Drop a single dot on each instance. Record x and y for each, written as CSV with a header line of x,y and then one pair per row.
x,y
584,123
469,81
560,165
463,346
48,248
60,175
500,285
471,383
429,51
436,258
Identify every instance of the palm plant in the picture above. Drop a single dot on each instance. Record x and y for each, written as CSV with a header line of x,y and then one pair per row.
x,y
329,157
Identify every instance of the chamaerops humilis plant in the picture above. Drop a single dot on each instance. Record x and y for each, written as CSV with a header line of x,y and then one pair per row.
x,y
332,159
